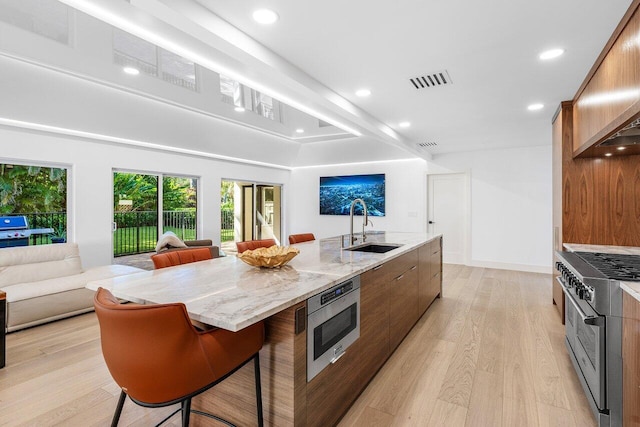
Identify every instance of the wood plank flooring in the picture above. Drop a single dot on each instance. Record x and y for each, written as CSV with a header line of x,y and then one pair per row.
x,y
489,353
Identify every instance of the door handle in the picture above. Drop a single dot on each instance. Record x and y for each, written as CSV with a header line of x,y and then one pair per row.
x,y
431,222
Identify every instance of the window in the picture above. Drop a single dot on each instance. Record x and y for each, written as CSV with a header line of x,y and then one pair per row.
x,y
48,18
132,51
40,194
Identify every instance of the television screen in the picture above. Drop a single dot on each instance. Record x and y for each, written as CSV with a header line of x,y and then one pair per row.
x,y
337,193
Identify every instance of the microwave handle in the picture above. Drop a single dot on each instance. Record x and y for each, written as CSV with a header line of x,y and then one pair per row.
x,y
335,359
588,320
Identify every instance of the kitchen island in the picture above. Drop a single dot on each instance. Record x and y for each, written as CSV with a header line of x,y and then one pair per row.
x,y
396,288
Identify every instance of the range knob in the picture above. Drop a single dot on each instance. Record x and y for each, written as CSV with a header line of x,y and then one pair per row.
x,y
581,293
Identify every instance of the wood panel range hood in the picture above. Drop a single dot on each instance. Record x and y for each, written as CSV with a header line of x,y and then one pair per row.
x,y
606,108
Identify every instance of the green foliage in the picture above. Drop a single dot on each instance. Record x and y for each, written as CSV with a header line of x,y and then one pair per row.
x,y
32,189
142,190
226,195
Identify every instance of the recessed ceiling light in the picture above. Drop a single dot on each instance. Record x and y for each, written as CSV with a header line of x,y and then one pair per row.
x,y
608,154
300,130
621,148
535,107
265,16
131,71
550,54
239,109
404,124
363,92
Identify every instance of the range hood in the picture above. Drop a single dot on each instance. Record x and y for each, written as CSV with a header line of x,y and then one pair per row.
x,y
627,136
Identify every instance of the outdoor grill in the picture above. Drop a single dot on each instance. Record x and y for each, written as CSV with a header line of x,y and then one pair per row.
x,y
14,231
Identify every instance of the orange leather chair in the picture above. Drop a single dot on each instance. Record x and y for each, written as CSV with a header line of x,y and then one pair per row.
x,y
169,259
254,244
299,238
158,358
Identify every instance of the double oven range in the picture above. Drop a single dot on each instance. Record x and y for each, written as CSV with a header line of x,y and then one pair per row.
x,y
593,325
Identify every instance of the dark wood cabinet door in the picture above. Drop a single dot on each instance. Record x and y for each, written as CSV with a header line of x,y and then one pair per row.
x,y
332,391
374,321
424,277
630,361
403,305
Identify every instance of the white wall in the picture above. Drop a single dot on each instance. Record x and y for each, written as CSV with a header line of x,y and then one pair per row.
x,y
510,202
91,182
405,196
510,205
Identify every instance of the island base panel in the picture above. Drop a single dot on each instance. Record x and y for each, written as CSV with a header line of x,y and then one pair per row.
x,y
283,388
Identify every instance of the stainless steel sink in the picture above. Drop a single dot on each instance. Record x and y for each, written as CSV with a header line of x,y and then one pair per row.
x,y
378,248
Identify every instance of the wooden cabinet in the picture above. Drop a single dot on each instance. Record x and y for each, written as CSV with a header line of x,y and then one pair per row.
x,y
388,310
374,319
609,97
403,298
332,391
630,361
561,136
430,274
403,309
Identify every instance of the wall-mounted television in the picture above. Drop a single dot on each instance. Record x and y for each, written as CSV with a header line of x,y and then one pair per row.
x,y
337,193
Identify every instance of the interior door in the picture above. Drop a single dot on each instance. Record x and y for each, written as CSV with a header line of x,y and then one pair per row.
x,y
448,214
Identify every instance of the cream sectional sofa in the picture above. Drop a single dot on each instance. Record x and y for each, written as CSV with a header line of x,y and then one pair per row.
x,y
45,283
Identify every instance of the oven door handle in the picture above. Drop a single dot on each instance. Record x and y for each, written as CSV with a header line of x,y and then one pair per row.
x,y
588,320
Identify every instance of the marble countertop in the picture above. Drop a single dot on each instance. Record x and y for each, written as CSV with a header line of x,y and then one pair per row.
x,y
632,288
606,249
227,293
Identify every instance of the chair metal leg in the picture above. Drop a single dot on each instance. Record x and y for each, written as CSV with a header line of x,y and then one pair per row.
x,y
256,362
186,412
116,415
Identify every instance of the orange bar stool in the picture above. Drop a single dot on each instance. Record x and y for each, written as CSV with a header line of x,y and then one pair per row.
x,y
158,358
299,238
254,244
170,259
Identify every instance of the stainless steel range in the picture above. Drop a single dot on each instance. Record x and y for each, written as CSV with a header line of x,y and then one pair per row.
x,y
593,325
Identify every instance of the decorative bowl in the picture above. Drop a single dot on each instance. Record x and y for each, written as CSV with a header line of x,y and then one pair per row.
x,y
274,256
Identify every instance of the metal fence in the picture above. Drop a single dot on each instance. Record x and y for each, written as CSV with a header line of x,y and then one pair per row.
x,y
136,232
55,220
226,226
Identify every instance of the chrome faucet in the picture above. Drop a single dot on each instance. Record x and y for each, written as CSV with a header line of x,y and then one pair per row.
x,y
365,221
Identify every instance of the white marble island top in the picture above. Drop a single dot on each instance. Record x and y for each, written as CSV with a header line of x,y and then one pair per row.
x,y
227,293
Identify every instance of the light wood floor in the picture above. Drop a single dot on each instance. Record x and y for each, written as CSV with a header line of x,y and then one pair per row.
x,y
489,353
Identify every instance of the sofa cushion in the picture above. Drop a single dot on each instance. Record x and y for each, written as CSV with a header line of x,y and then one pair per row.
x,y
36,263
23,291
169,239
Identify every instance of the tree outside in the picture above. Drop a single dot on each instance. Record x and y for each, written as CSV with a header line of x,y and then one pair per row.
x,y
39,193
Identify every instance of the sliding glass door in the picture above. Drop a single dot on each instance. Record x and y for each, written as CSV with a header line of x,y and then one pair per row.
x,y
249,211
140,214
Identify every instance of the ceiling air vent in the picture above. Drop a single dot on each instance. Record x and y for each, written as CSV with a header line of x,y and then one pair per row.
x,y
427,144
439,78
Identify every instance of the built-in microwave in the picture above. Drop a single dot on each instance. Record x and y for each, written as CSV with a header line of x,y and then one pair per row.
x,y
333,324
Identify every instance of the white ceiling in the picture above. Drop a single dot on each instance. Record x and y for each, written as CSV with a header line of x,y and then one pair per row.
x,y
319,53
489,48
